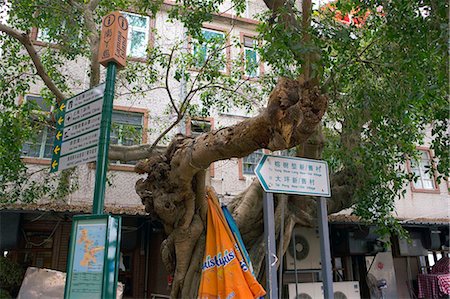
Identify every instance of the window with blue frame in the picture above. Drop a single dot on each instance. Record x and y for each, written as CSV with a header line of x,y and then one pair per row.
x,y
127,128
199,126
213,47
40,146
138,34
251,58
249,163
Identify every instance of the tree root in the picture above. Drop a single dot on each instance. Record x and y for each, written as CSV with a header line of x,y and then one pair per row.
x,y
184,241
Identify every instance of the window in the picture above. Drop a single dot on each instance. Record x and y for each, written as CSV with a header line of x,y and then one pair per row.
x,y
213,45
251,57
249,163
43,36
423,172
198,127
126,128
68,35
138,34
41,145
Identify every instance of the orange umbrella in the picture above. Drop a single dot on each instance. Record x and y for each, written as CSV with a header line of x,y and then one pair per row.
x,y
224,271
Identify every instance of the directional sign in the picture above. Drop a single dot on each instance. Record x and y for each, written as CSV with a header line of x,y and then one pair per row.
x,y
280,174
74,159
77,129
80,142
81,127
85,97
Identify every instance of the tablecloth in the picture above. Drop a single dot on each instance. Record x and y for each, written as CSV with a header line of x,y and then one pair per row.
x,y
433,285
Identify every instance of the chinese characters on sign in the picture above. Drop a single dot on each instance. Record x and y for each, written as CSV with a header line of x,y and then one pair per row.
x,y
293,175
93,252
113,39
77,129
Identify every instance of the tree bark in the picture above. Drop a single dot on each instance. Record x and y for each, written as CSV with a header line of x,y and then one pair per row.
x,y
173,191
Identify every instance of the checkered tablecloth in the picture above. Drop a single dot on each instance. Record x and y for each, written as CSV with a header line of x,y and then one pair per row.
x,y
444,283
433,285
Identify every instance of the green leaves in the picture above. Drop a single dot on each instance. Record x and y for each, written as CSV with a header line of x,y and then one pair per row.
x,y
386,78
388,86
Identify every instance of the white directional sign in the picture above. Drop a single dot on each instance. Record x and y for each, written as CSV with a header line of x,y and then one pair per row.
x,y
83,112
82,127
80,142
85,97
78,129
81,157
278,174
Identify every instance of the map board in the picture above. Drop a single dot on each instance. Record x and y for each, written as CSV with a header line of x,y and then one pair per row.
x,y
94,248
77,129
279,174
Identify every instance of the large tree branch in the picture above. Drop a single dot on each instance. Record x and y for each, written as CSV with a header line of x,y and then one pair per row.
x,y
93,4
133,153
295,108
94,42
169,93
25,40
276,6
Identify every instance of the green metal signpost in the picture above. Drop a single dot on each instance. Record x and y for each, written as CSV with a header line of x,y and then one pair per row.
x,y
103,147
93,257
93,262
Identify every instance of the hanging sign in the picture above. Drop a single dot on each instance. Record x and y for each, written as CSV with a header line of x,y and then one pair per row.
x,y
113,40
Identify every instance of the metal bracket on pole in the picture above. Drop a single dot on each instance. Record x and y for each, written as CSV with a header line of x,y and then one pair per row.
x,y
325,254
269,236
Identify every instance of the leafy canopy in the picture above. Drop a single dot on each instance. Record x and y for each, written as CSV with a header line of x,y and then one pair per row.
x,y
386,74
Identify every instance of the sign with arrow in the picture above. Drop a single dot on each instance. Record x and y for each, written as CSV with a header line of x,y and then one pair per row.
x,y
278,174
77,129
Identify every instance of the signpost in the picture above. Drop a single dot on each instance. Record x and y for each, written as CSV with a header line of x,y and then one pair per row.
x,y
83,131
278,174
94,248
77,129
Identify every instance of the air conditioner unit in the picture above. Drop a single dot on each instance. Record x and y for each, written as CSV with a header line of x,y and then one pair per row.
x,y
307,250
314,290
310,290
346,290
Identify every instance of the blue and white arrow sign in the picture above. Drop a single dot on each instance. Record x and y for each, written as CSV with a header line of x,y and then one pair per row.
x,y
278,174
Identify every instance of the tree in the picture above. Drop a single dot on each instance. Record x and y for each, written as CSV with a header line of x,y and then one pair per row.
x,y
359,95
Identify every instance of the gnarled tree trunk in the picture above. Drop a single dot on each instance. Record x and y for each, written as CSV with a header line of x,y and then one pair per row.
x,y
174,190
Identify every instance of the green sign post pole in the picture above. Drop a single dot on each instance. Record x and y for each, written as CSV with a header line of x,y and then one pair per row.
x,y
93,262
103,145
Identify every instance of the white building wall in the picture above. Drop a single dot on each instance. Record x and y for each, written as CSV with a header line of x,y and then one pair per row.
x,y
226,179
418,205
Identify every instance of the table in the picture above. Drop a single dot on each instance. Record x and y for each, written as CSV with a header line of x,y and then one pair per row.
x,y
433,285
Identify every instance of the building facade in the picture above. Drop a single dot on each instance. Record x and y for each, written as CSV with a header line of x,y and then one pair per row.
x,y
38,234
